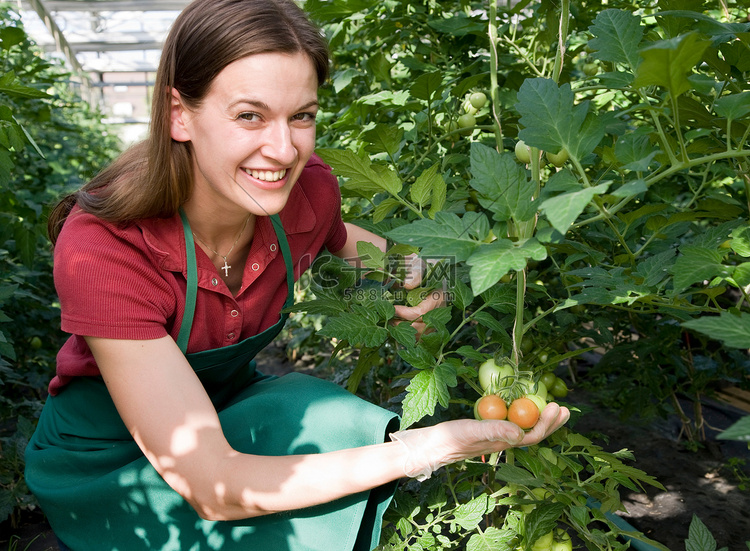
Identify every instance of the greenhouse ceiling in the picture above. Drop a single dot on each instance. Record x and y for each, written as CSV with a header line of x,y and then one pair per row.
x,y
102,36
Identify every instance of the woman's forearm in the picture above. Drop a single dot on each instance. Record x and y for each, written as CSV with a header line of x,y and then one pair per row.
x,y
248,486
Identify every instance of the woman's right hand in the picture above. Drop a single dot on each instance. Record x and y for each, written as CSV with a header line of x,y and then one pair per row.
x,y
430,448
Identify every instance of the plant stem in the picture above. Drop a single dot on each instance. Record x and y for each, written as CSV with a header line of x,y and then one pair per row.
x,y
494,88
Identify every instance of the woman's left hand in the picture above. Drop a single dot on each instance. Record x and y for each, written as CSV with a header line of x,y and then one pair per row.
x,y
415,270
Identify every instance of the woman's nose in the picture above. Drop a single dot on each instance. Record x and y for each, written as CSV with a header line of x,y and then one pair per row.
x,y
279,144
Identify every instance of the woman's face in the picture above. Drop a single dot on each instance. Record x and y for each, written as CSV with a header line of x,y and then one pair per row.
x,y
252,135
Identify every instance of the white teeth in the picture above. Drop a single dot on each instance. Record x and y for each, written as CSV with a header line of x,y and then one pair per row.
x,y
267,175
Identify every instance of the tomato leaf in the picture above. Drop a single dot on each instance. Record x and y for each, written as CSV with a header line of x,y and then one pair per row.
x,y
503,184
733,106
695,265
421,190
542,519
562,210
552,120
668,63
491,261
355,328
447,236
738,431
491,539
618,34
426,389
732,330
361,176
699,537
404,333
468,515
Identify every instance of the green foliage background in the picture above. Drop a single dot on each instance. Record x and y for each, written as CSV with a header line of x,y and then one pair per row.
x,y
50,143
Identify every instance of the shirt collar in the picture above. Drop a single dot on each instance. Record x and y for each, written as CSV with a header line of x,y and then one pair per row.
x,y
165,238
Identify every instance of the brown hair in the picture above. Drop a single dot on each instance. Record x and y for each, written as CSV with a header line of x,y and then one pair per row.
x,y
153,178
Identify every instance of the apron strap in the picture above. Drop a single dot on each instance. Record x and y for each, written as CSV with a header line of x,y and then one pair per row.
x,y
192,275
192,285
287,254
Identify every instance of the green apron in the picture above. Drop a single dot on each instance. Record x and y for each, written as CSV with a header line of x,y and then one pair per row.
x,y
100,493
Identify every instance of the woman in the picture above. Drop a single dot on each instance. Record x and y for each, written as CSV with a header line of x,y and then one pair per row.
x,y
172,267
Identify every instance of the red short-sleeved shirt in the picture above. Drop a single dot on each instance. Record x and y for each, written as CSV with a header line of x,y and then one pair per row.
x,y
129,283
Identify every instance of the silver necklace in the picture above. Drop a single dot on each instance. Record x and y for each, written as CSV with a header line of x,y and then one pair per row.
x,y
226,265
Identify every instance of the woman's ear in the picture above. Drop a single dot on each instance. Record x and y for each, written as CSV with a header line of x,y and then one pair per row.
x,y
179,118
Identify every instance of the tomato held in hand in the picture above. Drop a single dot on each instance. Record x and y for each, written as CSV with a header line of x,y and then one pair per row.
x,y
490,406
492,375
540,402
523,412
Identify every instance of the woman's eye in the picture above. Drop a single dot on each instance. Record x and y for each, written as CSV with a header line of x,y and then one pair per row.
x,y
249,117
304,117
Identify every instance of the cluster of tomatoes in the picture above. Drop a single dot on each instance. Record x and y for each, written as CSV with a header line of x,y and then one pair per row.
x,y
467,120
555,540
520,400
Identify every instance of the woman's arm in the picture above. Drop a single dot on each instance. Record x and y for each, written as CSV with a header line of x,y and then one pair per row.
x,y
172,419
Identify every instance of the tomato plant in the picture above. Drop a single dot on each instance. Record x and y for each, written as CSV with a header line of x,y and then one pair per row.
x,y
636,246
492,376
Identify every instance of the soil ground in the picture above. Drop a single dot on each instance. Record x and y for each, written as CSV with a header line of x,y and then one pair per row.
x,y
698,483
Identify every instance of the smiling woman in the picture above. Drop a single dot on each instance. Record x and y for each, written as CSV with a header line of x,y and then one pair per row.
x,y
174,267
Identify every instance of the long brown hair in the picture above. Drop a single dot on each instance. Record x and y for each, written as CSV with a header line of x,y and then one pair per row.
x,y
153,178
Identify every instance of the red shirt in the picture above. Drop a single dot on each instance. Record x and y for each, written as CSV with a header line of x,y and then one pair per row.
x,y
129,282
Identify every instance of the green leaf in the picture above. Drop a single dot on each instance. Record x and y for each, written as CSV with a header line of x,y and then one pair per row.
x,y
439,193
404,333
421,190
516,475
552,120
562,210
618,35
492,539
355,328
542,519
699,538
370,255
9,85
668,63
733,106
427,85
695,265
493,260
655,269
738,431
503,184
361,177
468,515
445,236
732,330
384,208
426,389
384,138
459,25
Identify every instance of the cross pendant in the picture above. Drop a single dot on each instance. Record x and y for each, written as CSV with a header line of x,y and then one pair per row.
x,y
226,267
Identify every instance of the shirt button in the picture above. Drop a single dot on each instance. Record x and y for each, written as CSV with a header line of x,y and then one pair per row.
x,y
234,313
273,247
214,281
255,266
230,336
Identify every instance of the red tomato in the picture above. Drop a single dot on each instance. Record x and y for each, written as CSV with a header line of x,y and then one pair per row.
x,y
490,406
523,412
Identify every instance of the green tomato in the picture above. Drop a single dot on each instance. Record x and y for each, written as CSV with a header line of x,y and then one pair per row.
x,y
561,541
590,69
543,543
558,388
527,343
491,375
522,152
35,343
557,159
548,378
542,356
477,100
540,402
466,122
